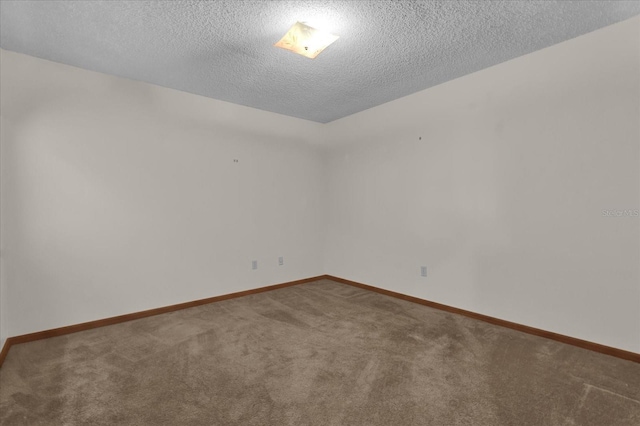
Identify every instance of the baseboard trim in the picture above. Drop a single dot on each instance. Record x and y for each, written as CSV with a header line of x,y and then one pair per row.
x,y
54,332
5,350
596,347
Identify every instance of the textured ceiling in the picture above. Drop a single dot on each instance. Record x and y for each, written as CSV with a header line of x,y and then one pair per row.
x,y
224,49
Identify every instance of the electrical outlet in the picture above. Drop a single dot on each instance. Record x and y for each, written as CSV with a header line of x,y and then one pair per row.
x,y
281,261
423,271
254,264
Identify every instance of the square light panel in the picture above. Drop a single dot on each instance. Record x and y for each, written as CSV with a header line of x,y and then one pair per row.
x,y
305,40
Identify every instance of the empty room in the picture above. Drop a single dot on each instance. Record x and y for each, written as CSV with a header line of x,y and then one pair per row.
x,y
320,213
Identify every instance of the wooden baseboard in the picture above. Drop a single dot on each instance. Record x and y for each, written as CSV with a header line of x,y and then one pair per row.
x,y
618,353
137,315
596,347
5,350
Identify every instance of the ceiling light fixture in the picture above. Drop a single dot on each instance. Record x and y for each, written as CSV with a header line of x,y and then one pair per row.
x,y
305,40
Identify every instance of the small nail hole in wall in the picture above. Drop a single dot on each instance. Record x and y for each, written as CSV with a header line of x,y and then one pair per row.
x,y
235,160
420,138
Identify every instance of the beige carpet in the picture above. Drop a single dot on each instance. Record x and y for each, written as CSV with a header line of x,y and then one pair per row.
x,y
320,353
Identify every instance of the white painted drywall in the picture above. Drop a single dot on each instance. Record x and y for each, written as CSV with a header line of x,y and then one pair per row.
x,y
503,197
4,332
120,196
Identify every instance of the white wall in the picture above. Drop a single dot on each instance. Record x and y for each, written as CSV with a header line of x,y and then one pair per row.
x,y
120,196
502,199
4,332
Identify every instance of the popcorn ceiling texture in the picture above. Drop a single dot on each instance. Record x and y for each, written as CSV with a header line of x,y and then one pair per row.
x,y
224,49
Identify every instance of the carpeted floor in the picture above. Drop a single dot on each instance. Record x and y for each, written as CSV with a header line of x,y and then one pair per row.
x,y
321,353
